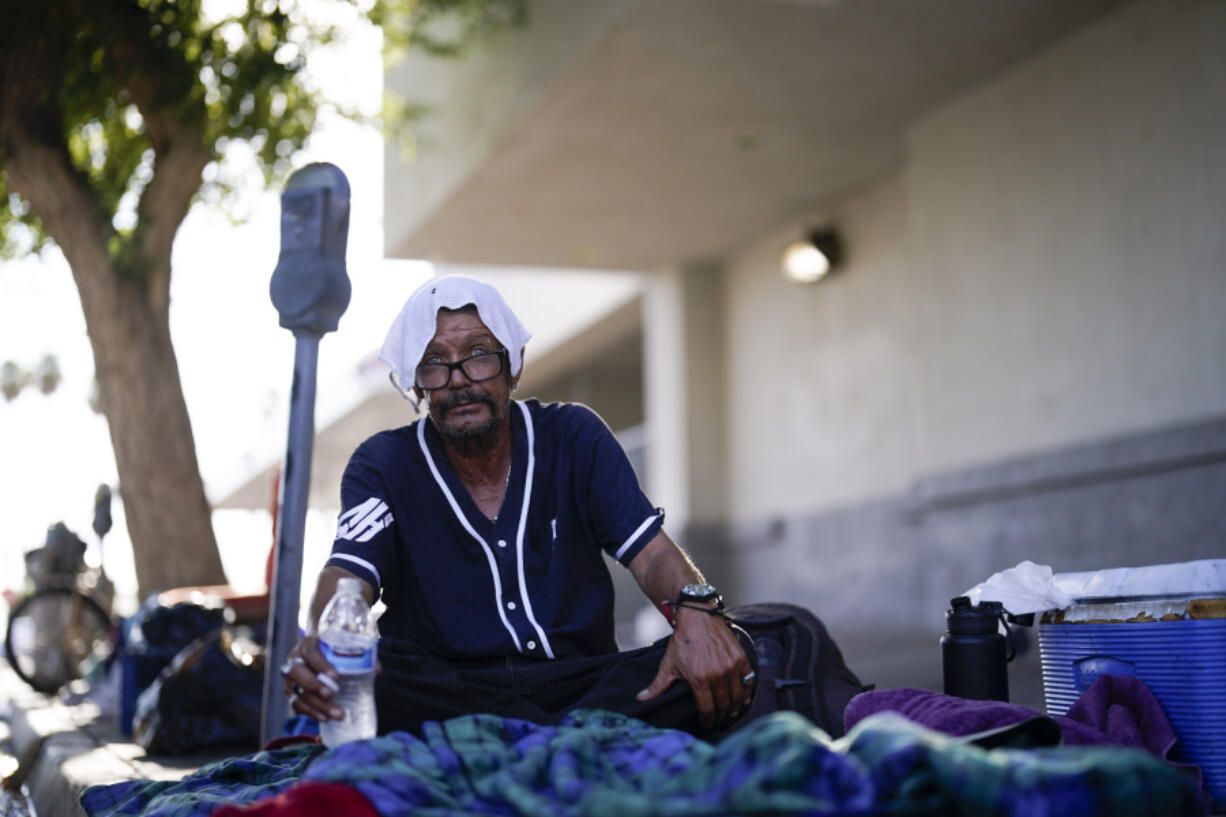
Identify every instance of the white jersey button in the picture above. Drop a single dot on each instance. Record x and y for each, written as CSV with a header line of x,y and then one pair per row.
x,y
502,543
532,645
510,605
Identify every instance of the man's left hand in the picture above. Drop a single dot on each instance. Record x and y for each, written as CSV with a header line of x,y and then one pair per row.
x,y
706,654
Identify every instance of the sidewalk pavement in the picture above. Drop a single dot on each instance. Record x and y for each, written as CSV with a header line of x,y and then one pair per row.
x,y
60,746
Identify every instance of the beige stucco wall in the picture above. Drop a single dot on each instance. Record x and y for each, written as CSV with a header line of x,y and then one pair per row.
x,y
1047,266
823,392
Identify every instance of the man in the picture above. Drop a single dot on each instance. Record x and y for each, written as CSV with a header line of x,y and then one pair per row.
x,y
481,526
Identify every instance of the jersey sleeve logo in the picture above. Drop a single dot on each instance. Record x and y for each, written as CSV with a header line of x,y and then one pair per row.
x,y
361,523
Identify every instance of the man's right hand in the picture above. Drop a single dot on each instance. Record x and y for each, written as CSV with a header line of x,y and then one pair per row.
x,y
310,681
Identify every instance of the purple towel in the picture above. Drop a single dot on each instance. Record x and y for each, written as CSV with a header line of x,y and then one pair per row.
x,y
959,716
1115,711
1123,709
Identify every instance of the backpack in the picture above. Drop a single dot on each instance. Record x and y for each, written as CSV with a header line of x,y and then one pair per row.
x,y
799,663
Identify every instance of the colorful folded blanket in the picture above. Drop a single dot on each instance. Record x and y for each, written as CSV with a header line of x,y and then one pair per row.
x,y
600,764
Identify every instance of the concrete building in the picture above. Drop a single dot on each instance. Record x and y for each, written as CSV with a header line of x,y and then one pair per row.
x,y
1023,354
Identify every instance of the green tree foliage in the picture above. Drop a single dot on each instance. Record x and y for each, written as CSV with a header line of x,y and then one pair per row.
x,y
238,76
115,117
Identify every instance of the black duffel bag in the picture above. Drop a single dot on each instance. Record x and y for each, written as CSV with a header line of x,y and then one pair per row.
x,y
800,668
210,696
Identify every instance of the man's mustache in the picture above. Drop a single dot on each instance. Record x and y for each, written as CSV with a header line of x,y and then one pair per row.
x,y
452,400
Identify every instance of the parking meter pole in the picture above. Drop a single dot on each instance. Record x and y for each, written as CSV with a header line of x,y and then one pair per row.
x,y
291,532
310,290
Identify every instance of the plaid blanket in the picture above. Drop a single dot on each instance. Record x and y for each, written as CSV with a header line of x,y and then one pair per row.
x,y
599,764
237,780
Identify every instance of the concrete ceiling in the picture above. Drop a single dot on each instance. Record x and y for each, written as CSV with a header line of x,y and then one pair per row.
x,y
687,127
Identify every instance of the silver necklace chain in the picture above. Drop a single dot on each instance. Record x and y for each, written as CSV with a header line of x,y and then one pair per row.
x,y
505,485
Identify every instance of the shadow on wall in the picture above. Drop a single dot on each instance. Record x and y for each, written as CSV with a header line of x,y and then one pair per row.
x,y
881,574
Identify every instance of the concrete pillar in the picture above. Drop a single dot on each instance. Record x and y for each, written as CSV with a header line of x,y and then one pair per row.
x,y
707,394
685,395
664,400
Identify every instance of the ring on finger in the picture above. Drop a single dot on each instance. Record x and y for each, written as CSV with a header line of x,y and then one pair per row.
x,y
749,677
290,663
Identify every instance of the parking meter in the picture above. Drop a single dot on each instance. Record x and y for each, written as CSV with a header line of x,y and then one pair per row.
x,y
310,287
102,511
310,290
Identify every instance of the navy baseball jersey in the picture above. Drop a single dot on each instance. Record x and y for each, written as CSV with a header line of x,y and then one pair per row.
x,y
531,582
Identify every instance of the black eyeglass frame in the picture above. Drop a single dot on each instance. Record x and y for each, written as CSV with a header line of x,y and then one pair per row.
x,y
503,362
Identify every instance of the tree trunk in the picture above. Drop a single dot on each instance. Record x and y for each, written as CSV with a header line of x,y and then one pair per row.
x,y
126,311
168,515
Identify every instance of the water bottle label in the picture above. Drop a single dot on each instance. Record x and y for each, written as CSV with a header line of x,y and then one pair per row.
x,y
349,659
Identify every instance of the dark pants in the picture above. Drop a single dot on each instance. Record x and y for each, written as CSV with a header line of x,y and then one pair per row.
x,y
414,688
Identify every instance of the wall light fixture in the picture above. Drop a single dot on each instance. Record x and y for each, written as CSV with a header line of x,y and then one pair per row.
x,y
814,257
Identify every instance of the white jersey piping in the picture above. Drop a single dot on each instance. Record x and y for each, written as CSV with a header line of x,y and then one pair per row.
x,y
362,562
455,508
634,536
523,521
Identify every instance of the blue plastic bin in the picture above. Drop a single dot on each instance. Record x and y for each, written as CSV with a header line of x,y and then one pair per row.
x,y
137,670
1182,661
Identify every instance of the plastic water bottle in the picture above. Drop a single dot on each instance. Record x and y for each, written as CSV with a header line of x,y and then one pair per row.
x,y
348,638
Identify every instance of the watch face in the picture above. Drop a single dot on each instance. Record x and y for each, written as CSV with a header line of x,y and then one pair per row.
x,y
699,592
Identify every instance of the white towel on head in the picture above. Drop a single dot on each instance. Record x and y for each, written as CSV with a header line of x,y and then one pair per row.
x,y
417,322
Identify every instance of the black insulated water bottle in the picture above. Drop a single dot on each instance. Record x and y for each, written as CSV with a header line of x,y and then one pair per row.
x,y
973,651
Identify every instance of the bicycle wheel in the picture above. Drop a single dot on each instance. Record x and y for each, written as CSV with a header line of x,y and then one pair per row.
x,y
56,636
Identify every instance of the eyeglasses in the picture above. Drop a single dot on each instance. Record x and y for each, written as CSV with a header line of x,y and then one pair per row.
x,y
479,367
